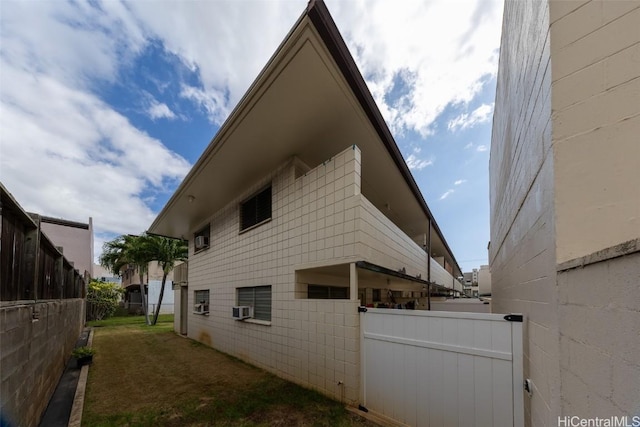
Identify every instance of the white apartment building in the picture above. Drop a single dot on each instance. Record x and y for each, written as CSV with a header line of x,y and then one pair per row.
x,y
302,208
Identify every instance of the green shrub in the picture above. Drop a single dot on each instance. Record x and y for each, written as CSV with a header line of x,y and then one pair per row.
x,y
79,352
102,299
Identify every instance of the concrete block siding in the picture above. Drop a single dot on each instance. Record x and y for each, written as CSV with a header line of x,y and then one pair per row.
x,y
319,218
522,251
565,163
34,353
314,343
599,339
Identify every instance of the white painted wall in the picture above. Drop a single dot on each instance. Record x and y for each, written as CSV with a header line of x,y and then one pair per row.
x,y
167,306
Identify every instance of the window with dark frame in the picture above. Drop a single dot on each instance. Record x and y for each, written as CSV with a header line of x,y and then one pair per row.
x,y
327,292
258,297
256,209
201,238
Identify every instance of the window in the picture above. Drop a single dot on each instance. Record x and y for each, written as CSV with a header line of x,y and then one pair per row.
x,y
376,295
327,292
258,297
256,210
201,302
201,238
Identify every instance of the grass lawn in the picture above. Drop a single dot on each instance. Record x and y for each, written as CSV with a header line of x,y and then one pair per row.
x,y
149,376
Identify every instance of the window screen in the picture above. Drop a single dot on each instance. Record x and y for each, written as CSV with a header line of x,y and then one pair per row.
x,y
258,297
256,209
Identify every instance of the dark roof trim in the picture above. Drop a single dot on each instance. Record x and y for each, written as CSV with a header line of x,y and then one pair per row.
x,y
60,221
383,270
326,27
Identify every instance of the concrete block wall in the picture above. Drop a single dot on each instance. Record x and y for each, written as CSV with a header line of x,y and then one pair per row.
x,y
564,171
34,353
314,343
522,249
599,341
595,49
381,242
319,219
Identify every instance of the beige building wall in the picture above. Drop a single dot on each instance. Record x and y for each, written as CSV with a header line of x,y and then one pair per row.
x,y
596,98
484,280
76,240
321,224
595,50
311,342
565,165
522,250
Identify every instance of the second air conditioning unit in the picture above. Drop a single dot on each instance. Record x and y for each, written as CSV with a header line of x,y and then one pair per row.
x,y
201,242
242,312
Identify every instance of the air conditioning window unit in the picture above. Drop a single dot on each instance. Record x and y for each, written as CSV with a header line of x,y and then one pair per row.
x,y
201,308
202,242
242,312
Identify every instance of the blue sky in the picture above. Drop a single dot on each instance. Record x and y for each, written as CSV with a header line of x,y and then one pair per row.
x,y
104,106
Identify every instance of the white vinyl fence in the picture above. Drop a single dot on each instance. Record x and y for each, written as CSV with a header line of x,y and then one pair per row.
x,y
442,369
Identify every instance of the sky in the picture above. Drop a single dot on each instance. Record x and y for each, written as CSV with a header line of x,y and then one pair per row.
x,y
106,105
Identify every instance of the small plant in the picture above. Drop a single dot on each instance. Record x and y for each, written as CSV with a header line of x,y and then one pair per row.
x,y
81,352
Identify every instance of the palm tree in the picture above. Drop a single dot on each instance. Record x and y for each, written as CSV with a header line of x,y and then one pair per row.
x,y
166,252
125,250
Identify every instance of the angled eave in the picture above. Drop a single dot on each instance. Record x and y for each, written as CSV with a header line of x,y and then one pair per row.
x,y
311,102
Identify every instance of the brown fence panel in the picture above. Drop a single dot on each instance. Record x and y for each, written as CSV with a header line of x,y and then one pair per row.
x,y
12,259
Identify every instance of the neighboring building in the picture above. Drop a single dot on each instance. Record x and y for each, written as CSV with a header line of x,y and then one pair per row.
x,y
470,280
42,312
153,284
467,285
321,217
101,273
74,238
565,202
484,281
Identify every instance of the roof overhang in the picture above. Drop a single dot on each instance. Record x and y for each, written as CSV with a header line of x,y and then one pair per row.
x,y
309,102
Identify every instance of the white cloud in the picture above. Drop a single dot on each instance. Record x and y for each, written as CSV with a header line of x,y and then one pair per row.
x,y
460,181
74,157
446,194
448,52
62,142
212,102
159,110
481,114
481,148
415,163
225,42
469,145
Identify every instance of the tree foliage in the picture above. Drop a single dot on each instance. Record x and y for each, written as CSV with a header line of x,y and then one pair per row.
x,y
166,252
128,250
102,299
139,251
